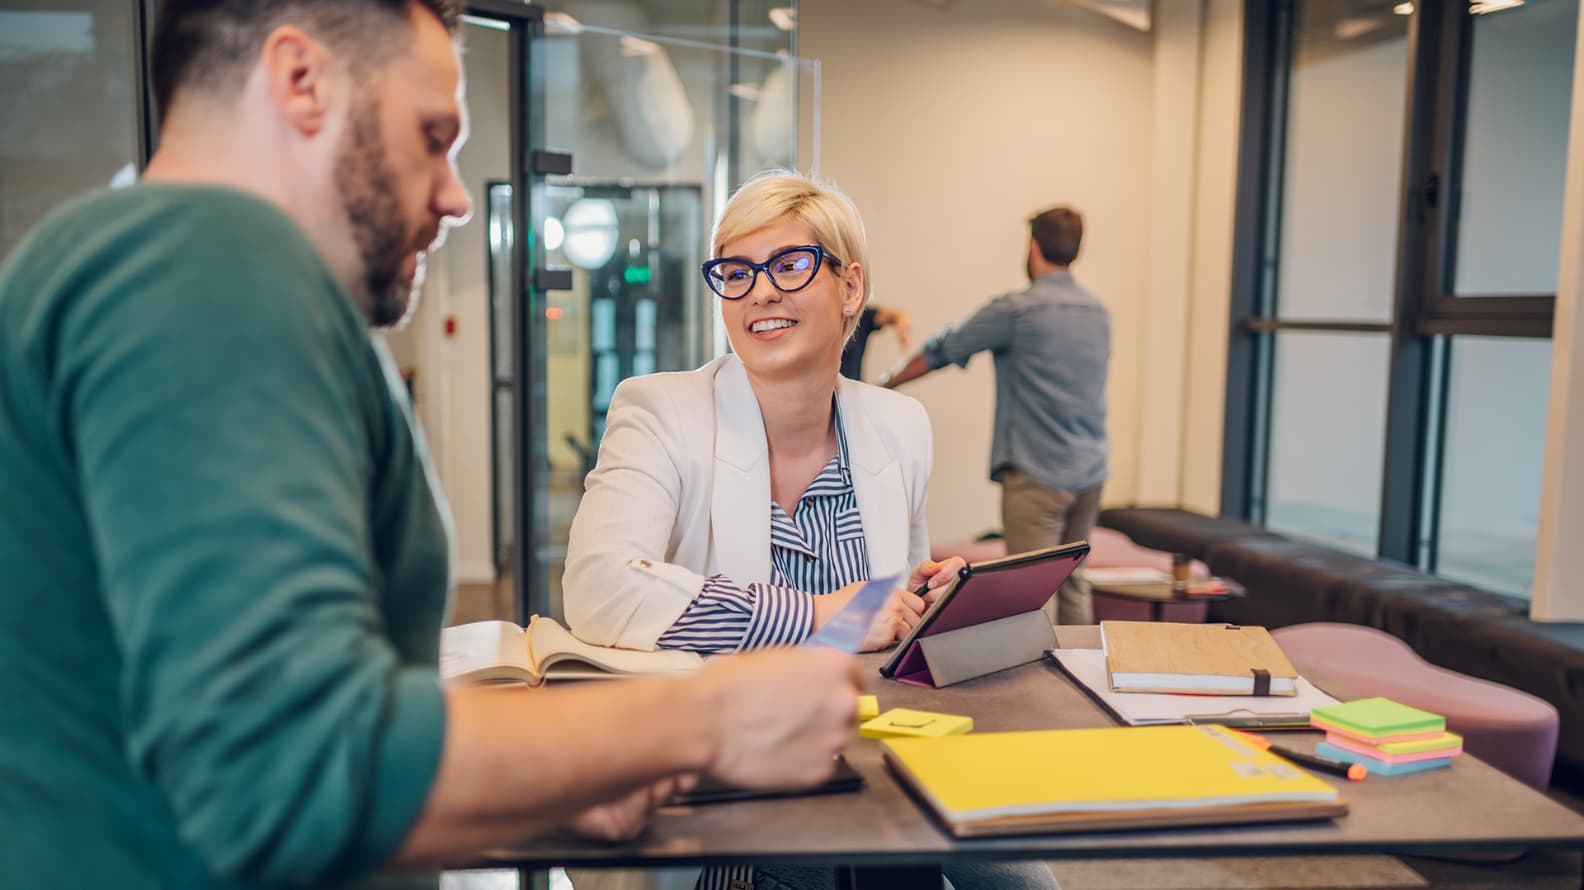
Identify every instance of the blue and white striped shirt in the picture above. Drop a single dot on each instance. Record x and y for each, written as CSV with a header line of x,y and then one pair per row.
x,y
818,549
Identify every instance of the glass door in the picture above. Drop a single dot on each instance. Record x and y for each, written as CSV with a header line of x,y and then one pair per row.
x,y
636,141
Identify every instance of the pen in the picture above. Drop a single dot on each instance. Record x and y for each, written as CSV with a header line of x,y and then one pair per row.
x,y
1353,771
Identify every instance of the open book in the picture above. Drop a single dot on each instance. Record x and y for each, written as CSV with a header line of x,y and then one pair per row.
x,y
487,651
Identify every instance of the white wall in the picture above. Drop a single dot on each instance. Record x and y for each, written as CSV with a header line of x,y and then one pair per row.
x,y
1209,311
949,127
1559,561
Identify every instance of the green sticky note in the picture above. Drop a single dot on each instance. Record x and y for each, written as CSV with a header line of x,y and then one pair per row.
x,y
1378,717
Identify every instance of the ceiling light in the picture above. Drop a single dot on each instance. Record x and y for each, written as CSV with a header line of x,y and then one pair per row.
x,y
637,46
1403,9
783,17
1481,7
1347,29
590,230
560,21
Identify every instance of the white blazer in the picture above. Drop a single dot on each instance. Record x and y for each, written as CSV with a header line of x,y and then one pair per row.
x,y
682,492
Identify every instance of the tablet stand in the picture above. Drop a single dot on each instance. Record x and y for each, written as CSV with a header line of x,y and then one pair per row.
x,y
963,654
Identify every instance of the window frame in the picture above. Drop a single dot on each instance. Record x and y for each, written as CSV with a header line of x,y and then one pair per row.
x,y
1425,317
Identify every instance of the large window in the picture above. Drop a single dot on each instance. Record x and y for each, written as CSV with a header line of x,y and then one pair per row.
x,y
1399,220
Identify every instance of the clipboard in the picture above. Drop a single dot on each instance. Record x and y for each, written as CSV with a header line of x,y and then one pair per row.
x,y
990,619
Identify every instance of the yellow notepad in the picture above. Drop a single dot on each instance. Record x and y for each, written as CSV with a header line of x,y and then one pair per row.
x,y
868,707
904,723
1115,770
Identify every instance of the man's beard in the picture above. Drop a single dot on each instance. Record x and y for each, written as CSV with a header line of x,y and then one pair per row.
x,y
367,189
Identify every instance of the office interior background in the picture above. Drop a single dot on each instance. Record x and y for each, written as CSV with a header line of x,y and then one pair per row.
x,y
1338,238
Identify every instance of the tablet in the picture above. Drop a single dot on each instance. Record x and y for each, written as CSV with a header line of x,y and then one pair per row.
x,y
996,588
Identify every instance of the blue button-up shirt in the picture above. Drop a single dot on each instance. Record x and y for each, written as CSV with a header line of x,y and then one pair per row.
x,y
1051,344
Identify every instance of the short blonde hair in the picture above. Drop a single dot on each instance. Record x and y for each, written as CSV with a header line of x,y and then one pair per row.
x,y
775,195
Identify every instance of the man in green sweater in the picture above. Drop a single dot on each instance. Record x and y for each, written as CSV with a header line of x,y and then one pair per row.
x,y
224,561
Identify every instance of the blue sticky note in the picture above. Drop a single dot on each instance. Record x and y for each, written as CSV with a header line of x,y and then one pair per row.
x,y
847,628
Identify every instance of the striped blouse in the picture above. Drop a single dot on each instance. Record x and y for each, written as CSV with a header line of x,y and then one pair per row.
x,y
818,549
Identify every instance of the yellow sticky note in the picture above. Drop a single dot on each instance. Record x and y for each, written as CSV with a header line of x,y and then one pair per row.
x,y
902,723
868,707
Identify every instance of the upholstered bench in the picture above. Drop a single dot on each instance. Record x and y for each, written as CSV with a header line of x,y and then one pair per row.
x,y
1508,729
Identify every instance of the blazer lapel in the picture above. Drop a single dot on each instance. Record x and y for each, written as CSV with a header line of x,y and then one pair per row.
x,y
877,485
740,500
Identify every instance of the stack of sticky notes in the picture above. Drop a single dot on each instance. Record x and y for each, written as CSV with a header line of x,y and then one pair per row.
x,y
1388,738
899,723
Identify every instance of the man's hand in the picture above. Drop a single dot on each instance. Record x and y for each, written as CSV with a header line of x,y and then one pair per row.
x,y
625,819
937,574
912,369
890,624
781,715
900,323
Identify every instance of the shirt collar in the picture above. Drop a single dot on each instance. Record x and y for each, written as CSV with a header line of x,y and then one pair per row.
x,y
842,461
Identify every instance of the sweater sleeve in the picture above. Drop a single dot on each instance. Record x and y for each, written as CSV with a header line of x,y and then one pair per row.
x,y
217,399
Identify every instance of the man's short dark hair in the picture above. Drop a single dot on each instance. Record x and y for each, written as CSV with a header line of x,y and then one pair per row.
x,y
1057,231
214,42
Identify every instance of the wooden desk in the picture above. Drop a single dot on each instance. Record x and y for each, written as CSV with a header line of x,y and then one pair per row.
x,y
882,838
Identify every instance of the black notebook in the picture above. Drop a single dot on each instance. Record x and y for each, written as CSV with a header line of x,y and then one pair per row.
x,y
711,791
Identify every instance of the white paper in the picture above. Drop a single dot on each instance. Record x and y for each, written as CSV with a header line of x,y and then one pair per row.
x,y
1145,708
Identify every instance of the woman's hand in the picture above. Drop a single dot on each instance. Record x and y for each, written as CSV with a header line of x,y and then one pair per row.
x,y
891,623
937,575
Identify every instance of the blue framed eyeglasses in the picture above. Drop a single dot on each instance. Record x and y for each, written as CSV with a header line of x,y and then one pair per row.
x,y
790,270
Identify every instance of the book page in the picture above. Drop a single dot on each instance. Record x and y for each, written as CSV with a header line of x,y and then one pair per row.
x,y
483,651
560,655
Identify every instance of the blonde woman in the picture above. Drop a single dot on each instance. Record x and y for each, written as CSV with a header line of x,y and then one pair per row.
x,y
742,504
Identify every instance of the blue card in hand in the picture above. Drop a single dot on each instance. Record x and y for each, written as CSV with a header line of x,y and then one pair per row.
x,y
847,628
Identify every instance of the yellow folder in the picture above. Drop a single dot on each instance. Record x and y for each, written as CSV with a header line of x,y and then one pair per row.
x,y
1152,775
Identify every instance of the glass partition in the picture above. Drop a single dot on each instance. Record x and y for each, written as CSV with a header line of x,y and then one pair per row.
x,y
660,129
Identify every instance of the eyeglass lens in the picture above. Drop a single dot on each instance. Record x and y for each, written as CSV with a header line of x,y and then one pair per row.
x,y
788,271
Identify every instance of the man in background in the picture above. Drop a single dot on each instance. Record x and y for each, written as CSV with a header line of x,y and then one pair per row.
x,y
1051,343
225,559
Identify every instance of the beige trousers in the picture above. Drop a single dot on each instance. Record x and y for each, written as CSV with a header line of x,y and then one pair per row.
x,y
1035,517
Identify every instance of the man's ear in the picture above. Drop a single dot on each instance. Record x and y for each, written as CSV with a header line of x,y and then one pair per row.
x,y
300,75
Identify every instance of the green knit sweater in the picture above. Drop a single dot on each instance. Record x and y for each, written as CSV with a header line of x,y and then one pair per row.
x,y
223,567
